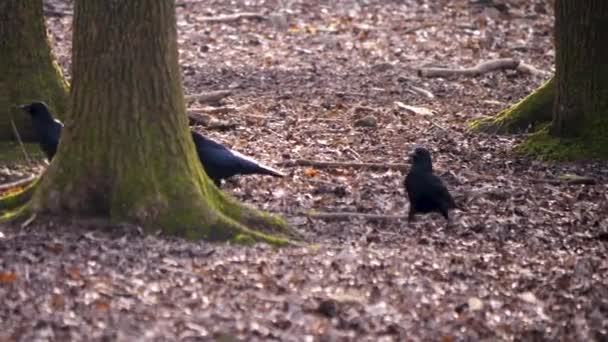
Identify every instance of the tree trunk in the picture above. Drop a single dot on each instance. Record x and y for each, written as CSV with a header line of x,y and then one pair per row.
x,y
27,69
126,150
581,105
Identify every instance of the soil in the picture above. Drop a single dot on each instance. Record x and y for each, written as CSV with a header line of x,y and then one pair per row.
x,y
525,258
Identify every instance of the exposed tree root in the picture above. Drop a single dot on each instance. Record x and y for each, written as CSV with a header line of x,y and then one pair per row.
x,y
528,114
260,221
17,184
481,68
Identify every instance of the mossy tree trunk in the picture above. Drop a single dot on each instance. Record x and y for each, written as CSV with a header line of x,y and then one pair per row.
x,y
577,95
27,69
126,151
526,115
581,41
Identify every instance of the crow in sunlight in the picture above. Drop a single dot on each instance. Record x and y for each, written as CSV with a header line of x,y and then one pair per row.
x,y
47,129
425,190
221,162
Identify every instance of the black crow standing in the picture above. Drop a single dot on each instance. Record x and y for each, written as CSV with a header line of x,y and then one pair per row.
x,y
47,129
221,162
425,190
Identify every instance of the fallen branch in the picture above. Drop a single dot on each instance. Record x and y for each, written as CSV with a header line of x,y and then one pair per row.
x,y
211,97
235,17
479,69
343,216
356,165
568,181
530,69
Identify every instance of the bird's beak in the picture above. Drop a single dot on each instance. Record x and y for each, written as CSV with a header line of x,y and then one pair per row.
x,y
23,107
410,157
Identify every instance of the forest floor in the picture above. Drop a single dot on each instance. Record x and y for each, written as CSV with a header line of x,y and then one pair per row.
x,y
337,81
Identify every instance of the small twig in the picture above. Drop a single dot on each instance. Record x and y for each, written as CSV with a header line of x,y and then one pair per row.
x,y
436,125
18,184
356,165
343,216
28,221
418,27
16,131
479,69
420,91
235,17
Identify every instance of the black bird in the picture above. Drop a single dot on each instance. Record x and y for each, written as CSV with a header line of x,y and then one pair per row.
x,y
47,129
425,190
218,161
221,162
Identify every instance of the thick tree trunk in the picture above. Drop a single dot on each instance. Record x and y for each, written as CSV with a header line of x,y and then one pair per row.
x,y
27,69
581,40
126,152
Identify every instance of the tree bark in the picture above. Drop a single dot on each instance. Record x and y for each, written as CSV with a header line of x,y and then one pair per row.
x,y
126,150
581,42
27,69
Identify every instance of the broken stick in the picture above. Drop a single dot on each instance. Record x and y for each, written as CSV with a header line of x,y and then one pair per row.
x,y
479,69
356,165
235,17
343,216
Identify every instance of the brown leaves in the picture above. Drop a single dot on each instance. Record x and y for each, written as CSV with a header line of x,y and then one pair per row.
x,y
523,260
7,278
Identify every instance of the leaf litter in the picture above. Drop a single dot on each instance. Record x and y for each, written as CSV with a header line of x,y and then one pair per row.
x,y
524,260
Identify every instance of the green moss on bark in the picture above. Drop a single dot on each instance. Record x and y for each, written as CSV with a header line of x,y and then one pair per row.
x,y
14,200
526,115
27,69
545,146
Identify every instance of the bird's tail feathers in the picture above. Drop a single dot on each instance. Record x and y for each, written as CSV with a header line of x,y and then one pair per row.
x,y
267,170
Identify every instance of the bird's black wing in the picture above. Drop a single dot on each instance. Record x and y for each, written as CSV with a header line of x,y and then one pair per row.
x,y
221,162
440,191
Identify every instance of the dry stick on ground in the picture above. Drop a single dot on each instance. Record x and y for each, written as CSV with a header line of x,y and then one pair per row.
x,y
420,91
342,216
235,17
209,97
568,181
356,165
479,69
